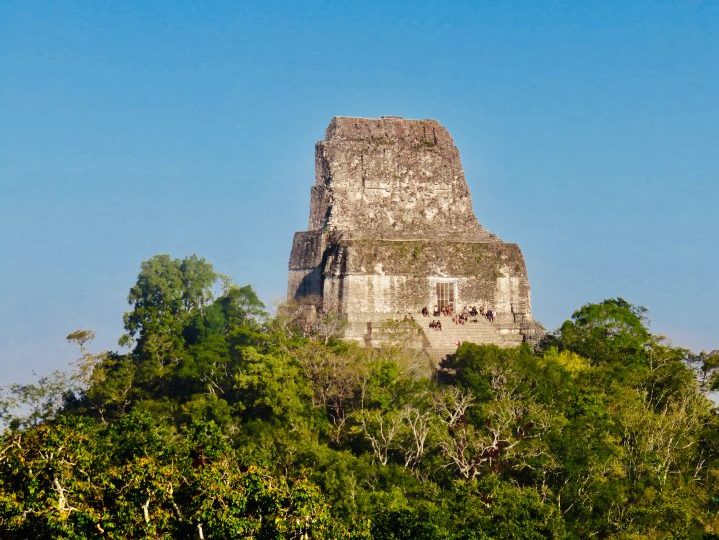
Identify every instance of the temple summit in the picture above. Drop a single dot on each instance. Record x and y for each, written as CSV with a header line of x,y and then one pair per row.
x,y
392,234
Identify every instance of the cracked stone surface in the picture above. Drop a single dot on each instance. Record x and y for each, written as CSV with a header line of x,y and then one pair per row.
x,y
391,178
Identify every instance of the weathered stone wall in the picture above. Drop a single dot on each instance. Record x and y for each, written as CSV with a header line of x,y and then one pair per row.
x,y
391,276
391,178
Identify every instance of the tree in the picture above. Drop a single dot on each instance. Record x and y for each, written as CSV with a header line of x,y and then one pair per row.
x,y
335,378
166,293
270,387
611,331
137,478
81,337
708,366
23,405
329,325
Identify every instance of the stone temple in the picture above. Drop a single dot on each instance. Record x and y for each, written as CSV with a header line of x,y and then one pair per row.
x,y
392,230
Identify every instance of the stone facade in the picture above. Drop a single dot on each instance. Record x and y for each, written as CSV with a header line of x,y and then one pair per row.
x,y
391,227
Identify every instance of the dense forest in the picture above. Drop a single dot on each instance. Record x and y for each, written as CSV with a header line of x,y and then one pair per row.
x,y
218,421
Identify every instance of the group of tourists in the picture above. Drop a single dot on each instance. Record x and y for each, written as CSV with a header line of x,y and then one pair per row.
x,y
487,313
436,325
458,318
446,310
461,318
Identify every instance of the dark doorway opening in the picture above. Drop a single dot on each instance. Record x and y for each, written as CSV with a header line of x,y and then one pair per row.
x,y
446,295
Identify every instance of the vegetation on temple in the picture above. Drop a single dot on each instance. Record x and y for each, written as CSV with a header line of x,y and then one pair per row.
x,y
221,422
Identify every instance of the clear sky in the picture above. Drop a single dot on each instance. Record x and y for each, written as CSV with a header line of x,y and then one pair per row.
x,y
589,133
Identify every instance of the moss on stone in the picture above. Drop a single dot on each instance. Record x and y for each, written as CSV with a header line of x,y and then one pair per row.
x,y
425,257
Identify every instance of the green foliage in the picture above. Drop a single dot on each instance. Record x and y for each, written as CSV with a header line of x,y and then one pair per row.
x,y
708,364
167,290
404,524
137,479
23,405
567,360
222,423
491,509
611,331
271,387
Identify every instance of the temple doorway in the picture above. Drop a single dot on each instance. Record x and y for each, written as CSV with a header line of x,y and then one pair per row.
x,y
446,294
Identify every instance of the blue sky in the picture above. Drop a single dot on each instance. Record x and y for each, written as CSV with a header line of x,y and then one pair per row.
x,y
589,133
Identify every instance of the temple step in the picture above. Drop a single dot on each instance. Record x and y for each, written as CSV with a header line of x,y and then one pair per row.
x,y
445,342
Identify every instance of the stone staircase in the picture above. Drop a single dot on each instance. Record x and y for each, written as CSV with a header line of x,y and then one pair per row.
x,y
365,329
444,342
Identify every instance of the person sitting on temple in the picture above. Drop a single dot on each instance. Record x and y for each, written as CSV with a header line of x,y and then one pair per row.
x,y
473,311
436,311
425,311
